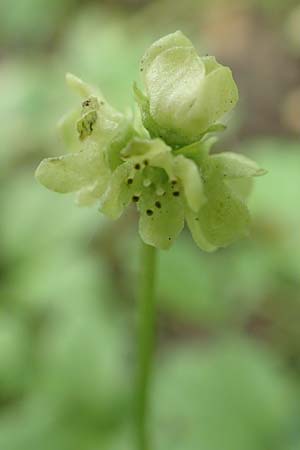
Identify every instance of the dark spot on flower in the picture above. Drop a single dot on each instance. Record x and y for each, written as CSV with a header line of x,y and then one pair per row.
x,y
135,198
137,166
173,182
158,204
176,194
146,162
102,102
86,103
130,181
169,238
149,212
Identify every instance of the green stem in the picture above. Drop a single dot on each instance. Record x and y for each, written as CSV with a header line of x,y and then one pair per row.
x,y
146,337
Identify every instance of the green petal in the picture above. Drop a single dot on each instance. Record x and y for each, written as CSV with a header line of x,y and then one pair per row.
x,y
144,148
80,87
210,64
172,82
150,152
224,218
233,165
67,130
242,187
188,173
121,191
88,195
177,39
160,226
74,171
192,220
217,95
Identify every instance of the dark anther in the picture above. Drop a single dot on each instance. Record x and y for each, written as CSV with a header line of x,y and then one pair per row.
x,y
158,204
135,198
173,182
146,162
176,193
149,212
130,181
86,103
137,166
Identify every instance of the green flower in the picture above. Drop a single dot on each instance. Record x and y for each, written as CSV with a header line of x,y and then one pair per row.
x,y
208,191
95,133
171,175
185,94
161,183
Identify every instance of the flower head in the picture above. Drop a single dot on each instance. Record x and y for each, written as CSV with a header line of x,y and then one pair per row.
x,y
165,167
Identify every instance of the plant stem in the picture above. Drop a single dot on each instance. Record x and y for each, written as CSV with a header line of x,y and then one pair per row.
x,y
146,336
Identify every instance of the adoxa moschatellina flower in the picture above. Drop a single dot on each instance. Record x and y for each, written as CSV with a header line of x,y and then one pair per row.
x,y
164,165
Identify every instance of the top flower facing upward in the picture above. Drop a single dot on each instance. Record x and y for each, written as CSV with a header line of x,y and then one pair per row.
x,y
164,166
185,94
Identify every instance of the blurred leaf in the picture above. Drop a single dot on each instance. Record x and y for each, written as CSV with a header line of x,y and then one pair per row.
x,y
230,396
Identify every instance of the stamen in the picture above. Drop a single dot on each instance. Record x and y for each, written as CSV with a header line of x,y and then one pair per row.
x,y
135,198
149,212
160,191
176,193
147,182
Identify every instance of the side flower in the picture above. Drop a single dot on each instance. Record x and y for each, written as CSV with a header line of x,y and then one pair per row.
x,y
94,133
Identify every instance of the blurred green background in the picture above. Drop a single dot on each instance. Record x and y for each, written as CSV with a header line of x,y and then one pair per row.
x,y
227,373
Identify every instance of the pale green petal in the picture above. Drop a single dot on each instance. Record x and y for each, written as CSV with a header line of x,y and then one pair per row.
x,y
198,151
74,171
193,222
160,223
188,173
210,64
144,148
224,218
234,165
177,39
67,130
125,185
88,195
173,81
242,187
80,87
150,152
217,95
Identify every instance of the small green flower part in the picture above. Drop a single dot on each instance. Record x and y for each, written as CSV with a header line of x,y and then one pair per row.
x,y
95,133
161,184
162,165
185,94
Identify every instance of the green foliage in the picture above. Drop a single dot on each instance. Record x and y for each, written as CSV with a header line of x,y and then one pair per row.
x,y
228,396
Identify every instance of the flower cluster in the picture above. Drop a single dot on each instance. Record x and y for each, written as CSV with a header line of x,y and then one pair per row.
x,y
163,164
